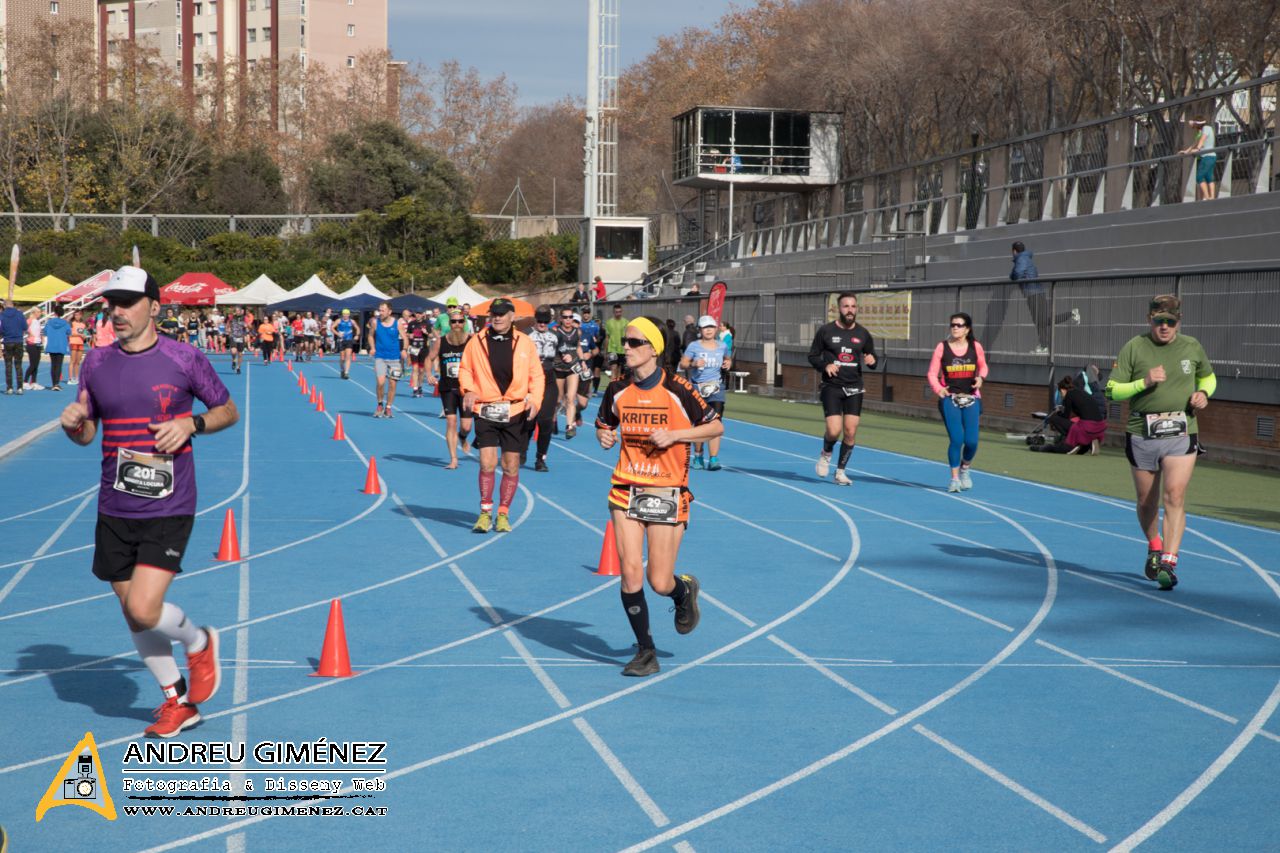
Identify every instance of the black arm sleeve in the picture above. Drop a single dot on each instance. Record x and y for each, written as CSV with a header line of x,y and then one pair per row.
x,y
817,353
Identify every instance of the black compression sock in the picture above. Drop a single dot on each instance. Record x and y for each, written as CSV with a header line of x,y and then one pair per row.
x,y
679,591
638,614
845,451
827,445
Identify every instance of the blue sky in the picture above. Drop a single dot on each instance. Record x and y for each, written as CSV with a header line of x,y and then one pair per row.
x,y
539,44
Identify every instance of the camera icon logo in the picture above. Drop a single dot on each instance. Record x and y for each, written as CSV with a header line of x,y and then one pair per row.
x,y
85,786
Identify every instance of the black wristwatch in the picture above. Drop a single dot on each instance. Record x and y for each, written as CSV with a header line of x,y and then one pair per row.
x,y
198,420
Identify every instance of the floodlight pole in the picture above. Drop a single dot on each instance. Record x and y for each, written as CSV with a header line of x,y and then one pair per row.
x,y
591,135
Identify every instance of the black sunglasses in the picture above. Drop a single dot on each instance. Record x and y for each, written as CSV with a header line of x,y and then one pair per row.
x,y
959,325
634,342
1163,321
456,322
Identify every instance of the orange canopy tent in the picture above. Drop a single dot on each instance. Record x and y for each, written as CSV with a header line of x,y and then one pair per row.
x,y
523,309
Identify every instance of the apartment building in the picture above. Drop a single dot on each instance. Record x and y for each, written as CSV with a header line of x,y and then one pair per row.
x,y
197,35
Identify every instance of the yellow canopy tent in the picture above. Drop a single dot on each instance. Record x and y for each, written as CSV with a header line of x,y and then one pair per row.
x,y
40,290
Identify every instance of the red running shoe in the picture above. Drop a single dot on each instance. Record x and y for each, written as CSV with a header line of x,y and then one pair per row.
x,y
205,670
172,717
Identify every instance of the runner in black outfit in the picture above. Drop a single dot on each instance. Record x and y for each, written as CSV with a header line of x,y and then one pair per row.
x,y
445,356
546,341
839,352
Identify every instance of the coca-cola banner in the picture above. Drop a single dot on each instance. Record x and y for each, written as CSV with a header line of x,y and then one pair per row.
x,y
194,288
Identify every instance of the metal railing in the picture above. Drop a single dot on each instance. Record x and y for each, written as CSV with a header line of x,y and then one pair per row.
x,y
1067,321
194,229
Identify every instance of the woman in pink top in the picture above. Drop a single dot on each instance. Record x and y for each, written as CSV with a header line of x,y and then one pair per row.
x,y
956,373
104,335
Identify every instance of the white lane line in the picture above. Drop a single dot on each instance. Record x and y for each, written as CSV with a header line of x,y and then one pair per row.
x,y
216,567
28,437
887,516
1046,604
1028,795
1137,660
620,771
840,680
1109,501
1253,728
65,500
643,684
1167,600
1060,522
1181,700
774,533
730,515
66,522
956,607
1161,599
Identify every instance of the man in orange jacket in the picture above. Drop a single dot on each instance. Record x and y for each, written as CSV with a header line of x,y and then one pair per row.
x,y
502,382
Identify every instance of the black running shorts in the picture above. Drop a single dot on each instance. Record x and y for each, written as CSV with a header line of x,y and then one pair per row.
x,y
122,543
512,437
451,400
834,401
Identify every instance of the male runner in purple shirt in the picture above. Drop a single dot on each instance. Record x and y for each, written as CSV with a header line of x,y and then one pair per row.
x,y
142,388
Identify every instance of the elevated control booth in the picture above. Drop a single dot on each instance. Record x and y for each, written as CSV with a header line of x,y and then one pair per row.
x,y
621,249
755,149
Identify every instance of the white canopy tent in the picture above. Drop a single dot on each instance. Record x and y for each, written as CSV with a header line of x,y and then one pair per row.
x,y
364,286
461,291
261,291
311,287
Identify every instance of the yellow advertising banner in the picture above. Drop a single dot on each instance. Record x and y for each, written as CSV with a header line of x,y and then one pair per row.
x,y
885,314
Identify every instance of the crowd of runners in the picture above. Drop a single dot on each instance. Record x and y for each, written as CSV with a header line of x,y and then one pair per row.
x,y
502,389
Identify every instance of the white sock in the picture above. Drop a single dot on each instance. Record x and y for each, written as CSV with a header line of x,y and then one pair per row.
x,y
175,625
156,651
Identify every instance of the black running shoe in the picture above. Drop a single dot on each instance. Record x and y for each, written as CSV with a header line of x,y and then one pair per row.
x,y
1152,567
644,663
1166,577
540,464
687,614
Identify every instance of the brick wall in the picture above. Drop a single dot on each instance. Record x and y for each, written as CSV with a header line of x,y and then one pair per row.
x,y
1225,426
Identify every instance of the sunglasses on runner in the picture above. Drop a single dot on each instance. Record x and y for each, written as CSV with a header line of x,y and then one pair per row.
x,y
958,325
1163,321
456,322
634,342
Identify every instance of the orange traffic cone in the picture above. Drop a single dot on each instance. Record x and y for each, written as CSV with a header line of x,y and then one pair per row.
x,y
301,379
338,434
312,398
334,661
371,486
291,367
609,553
229,548
302,386
320,402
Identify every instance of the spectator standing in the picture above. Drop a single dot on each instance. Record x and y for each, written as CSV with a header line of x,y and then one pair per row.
x,y
1204,149
690,333
35,344
79,336
13,328
599,289
1025,273
57,342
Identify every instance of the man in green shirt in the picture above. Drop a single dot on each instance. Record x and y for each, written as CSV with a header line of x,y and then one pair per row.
x,y
1167,378
614,330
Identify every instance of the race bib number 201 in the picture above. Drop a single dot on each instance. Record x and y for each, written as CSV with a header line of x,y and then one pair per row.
x,y
144,475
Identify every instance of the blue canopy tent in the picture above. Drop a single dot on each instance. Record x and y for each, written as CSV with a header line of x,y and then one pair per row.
x,y
315,302
359,304
414,303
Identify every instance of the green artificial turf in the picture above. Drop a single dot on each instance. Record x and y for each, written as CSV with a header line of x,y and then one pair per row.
x,y
1229,492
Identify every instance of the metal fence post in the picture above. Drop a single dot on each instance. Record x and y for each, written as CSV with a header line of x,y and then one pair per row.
x,y
155,226
231,224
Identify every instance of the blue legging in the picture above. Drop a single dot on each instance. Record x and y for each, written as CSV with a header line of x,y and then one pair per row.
x,y
962,429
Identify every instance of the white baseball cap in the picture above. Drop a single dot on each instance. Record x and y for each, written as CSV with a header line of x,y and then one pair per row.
x,y
129,284
707,320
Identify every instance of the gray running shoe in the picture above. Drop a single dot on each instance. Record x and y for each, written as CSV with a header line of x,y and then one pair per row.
x,y
644,663
841,478
823,467
1151,567
1166,578
966,482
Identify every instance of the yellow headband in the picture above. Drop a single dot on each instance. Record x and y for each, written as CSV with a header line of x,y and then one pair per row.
x,y
656,339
